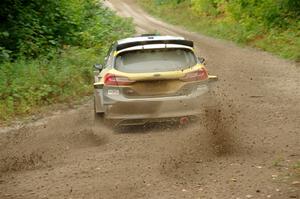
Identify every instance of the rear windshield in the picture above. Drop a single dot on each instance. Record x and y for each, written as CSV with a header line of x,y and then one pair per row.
x,y
155,60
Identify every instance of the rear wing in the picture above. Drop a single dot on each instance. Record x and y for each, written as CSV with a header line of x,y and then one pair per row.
x,y
138,43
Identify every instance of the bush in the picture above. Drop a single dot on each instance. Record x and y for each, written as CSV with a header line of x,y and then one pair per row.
x,y
28,84
49,49
267,24
30,28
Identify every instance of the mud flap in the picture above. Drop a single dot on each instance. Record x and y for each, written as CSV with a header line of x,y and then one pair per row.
x,y
98,101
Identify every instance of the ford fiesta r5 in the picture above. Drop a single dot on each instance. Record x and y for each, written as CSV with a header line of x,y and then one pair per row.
x,y
150,78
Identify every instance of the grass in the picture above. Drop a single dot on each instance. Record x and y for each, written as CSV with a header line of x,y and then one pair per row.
x,y
278,162
297,168
28,84
62,75
282,42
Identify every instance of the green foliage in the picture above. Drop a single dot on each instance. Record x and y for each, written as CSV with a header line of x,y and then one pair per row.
x,y
30,28
174,2
271,25
207,7
47,49
28,84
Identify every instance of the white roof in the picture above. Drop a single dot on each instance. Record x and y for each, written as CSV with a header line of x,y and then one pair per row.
x,y
148,38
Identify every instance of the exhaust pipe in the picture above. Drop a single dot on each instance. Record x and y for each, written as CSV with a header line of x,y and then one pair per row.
x,y
184,120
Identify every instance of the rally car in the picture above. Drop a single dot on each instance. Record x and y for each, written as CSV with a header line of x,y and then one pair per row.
x,y
150,78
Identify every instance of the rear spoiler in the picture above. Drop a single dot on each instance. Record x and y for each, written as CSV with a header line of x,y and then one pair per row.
x,y
138,43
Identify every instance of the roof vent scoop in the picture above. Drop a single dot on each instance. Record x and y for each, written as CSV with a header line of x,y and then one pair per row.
x,y
149,35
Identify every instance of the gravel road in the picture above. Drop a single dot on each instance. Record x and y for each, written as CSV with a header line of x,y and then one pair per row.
x,y
249,147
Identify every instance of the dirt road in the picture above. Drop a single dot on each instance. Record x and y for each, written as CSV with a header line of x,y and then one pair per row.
x,y
248,148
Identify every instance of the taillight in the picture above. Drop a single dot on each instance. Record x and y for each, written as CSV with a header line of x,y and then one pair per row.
x,y
115,80
197,75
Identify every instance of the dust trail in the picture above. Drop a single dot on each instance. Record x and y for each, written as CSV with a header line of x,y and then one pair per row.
x,y
220,125
44,146
207,141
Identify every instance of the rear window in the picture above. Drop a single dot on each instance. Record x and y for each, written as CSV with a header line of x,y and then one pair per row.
x,y
155,60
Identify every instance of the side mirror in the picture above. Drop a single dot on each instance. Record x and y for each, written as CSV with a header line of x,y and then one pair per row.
x,y
98,66
201,60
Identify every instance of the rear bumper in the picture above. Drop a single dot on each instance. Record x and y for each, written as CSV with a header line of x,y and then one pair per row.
x,y
122,108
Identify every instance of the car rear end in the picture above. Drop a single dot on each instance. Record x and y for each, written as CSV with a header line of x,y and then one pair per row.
x,y
154,82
